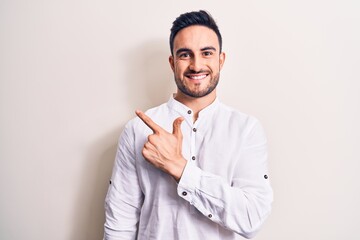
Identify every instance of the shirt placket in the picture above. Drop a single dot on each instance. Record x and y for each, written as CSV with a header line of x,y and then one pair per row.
x,y
193,129
193,154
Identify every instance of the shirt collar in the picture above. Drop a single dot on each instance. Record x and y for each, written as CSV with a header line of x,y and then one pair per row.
x,y
186,112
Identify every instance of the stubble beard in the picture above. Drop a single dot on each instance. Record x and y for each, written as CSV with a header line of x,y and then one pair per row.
x,y
201,93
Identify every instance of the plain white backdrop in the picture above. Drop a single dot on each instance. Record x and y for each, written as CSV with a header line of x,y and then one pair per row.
x,y
73,72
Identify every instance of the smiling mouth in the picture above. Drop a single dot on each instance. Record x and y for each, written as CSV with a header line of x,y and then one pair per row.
x,y
197,76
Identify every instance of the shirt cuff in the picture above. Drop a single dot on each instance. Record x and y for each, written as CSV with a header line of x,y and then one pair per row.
x,y
189,182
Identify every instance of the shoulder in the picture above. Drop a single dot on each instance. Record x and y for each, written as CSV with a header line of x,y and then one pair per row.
x,y
135,124
236,117
240,123
160,110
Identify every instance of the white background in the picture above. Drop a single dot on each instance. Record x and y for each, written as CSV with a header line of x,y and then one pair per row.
x,y
73,72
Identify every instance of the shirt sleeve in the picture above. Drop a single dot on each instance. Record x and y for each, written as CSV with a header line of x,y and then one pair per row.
x,y
124,198
242,205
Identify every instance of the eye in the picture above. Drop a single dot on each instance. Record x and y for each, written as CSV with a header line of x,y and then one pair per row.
x,y
184,55
207,53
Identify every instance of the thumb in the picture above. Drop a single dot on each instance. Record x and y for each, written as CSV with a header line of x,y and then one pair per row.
x,y
177,127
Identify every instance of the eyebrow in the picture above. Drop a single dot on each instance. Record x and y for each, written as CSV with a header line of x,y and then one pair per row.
x,y
180,50
208,48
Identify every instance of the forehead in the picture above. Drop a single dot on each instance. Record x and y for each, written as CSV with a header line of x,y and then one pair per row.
x,y
196,37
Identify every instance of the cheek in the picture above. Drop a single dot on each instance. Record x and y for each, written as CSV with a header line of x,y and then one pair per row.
x,y
215,66
179,68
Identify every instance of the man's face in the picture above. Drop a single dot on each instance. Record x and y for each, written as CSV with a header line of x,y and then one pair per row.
x,y
196,62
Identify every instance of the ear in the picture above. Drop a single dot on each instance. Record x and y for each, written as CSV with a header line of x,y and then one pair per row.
x,y
172,63
222,59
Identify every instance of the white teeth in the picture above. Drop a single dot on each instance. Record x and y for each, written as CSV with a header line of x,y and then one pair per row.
x,y
198,77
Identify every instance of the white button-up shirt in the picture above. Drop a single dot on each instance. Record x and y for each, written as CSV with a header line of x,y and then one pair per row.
x,y
224,191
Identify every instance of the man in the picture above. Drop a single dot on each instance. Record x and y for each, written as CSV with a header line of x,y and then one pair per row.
x,y
191,168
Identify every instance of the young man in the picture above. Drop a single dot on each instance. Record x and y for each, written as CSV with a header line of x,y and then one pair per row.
x,y
192,168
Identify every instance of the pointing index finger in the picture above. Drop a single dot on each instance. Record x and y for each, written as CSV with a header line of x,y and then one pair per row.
x,y
148,121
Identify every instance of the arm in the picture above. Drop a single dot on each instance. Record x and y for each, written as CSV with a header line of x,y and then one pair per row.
x,y
241,206
124,197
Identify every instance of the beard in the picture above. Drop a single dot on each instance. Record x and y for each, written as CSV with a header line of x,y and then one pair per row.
x,y
198,93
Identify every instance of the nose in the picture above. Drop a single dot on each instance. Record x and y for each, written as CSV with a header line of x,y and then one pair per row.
x,y
195,64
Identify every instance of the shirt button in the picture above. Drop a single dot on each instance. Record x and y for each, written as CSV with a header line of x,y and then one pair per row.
x,y
189,112
266,176
193,158
194,129
184,193
210,215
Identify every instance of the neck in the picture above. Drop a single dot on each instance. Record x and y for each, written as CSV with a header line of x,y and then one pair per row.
x,y
196,104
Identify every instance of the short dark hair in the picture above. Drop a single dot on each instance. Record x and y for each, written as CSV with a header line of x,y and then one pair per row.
x,y
201,18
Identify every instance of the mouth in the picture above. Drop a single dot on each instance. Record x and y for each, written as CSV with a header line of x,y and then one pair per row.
x,y
197,77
